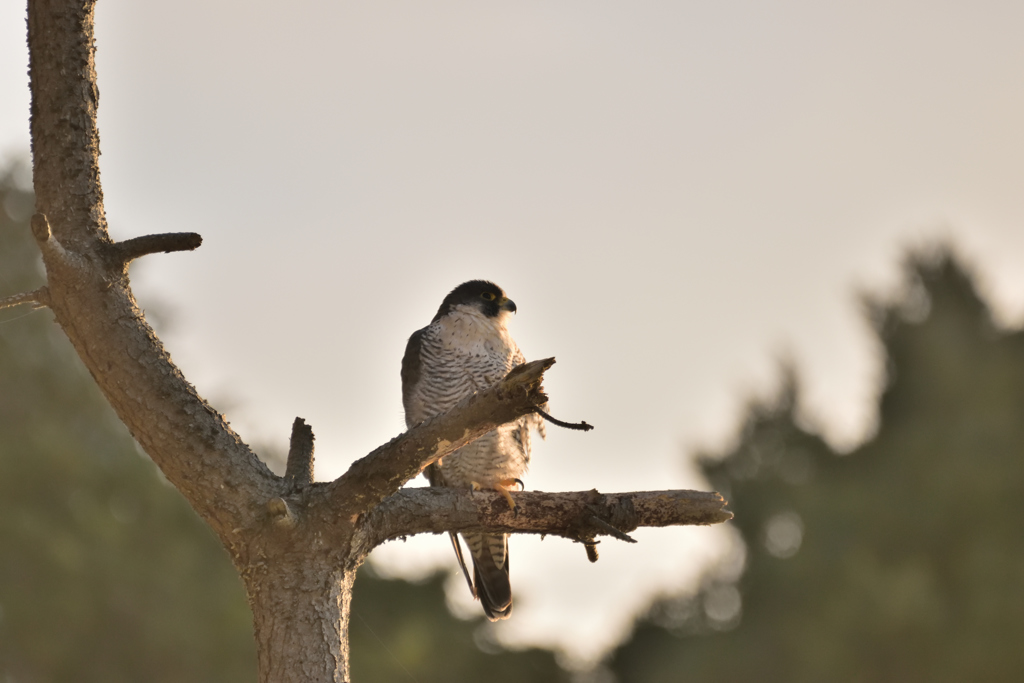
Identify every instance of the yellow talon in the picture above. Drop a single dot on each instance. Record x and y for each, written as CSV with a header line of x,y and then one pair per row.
x,y
501,487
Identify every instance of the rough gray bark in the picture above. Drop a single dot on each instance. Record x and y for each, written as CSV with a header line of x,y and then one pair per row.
x,y
296,544
579,516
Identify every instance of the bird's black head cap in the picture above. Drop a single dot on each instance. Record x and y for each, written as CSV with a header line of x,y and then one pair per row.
x,y
486,295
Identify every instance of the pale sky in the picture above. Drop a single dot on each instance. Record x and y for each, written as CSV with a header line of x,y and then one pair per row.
x,y
675,194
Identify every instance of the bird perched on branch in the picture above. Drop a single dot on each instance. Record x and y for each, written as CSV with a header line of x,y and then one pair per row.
x,y
465,348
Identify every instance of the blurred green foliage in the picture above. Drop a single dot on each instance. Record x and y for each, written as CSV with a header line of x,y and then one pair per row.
x,y
105,572
402,631
901,561
107,575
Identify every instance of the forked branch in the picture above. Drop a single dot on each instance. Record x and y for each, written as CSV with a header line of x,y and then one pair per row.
x,y
376,476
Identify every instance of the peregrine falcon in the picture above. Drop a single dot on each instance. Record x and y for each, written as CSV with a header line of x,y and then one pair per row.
x,y
465,348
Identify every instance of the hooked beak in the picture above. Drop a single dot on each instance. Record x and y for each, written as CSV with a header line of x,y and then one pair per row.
x,y
508,305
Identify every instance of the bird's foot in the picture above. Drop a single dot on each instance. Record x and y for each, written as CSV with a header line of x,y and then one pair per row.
x,y
501,487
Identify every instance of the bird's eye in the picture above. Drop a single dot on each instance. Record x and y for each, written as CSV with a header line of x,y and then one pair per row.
x,y
489,296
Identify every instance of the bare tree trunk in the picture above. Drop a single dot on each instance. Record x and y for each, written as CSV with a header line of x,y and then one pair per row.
x,y
300,613
297,544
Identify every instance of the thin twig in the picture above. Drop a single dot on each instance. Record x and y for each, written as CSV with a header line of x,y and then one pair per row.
x,y
610,530
579,426
38,298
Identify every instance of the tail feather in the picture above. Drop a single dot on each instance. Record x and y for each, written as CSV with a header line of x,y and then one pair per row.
x,y
462,562
490,573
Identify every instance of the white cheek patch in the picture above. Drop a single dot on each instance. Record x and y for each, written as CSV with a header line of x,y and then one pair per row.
x,y
469,331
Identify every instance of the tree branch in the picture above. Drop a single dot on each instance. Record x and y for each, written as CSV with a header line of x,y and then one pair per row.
x,y
580,516
39,298
299,470
190,441
376,476
123,253
578,426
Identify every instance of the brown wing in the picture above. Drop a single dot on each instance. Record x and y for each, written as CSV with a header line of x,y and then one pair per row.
x,y
411,370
